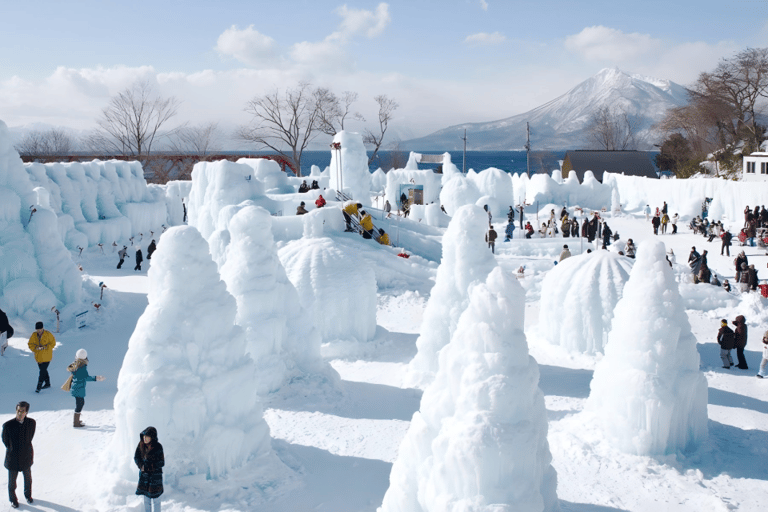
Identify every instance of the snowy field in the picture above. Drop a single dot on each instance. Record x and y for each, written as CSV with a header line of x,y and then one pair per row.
x,y
342,450
290,365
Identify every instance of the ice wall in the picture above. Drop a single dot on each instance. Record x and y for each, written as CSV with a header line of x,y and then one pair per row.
x,y
268,172
184,373
36,270
428,179
578,298
458,192
479,439
352,161
100,202
466,259
268,305
496,185
647,393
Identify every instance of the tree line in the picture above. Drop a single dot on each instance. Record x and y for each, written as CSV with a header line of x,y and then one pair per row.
x,y
284,121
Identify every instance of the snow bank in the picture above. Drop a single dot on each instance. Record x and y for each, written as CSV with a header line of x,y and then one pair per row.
x,y
457,192
184,372
479,439
466,259
647,393
496,185
352,161
268,305
578,298
36,270
268,172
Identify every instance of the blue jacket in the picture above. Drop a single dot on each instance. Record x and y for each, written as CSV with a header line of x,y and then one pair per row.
x,y
79,378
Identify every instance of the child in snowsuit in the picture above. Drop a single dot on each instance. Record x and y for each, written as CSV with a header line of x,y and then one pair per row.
x,y
150,460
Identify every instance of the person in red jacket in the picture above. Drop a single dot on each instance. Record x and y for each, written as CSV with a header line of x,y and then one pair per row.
x,y
320,202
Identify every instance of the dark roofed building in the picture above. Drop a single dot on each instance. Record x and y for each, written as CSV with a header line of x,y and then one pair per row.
x,y
630,163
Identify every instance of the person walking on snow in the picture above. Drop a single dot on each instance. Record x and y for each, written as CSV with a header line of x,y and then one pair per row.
x,y
151,249
139,259
41,344
764,363
490,237
740,341
664,222
725,338
150,460
656,222
6,331
17,437
606,235
647,211
726,244
80,376
122,252
673,221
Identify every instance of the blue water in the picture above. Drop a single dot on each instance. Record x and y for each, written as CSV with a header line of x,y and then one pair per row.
x,y
508,161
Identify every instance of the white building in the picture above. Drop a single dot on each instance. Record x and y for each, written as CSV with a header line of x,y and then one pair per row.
x,y
755,167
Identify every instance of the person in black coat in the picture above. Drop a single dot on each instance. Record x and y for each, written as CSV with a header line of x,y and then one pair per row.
x,y
726,245
19,454
139,259
152,248
740,341
607,235
6,331
150,460
725,338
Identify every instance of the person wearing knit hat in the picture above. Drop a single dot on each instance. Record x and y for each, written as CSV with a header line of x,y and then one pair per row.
x,y
41,344
79,371
726,340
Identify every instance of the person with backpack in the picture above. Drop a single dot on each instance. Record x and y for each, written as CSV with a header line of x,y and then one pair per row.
x,y
726,339
740,341
6,332
76,383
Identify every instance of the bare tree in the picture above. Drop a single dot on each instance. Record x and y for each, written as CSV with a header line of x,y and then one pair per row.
x,y
132,121
200,140
387,107
611,130
46,144
285,123
333,111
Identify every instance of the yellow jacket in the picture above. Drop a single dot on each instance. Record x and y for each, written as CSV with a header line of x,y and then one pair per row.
x,y
42,347
367,222
351,209
384,239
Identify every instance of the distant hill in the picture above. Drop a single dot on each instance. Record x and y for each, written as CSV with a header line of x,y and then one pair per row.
x,y
561,123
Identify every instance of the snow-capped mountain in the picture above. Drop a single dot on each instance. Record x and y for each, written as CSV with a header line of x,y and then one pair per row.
x,y
561,123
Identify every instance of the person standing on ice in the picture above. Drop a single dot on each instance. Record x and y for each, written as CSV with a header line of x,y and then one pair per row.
x,y
79,371
725,338
184,206
656,222
726,245
740,341
764,363
139,259
41,344
606,234
490,237
152,248
150,460
664,222
19,454
521,209
387,208
122,252
673,221
647,211
6,331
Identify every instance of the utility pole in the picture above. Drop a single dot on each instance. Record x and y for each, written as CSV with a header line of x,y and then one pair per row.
x,y
464,161
528,148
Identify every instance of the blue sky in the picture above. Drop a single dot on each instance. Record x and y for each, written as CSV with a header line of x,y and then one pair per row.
x,y
445,62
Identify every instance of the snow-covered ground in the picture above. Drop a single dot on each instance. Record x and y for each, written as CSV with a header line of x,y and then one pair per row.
x,y
339,448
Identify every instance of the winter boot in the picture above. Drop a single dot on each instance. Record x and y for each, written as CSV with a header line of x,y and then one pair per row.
x,y
77,422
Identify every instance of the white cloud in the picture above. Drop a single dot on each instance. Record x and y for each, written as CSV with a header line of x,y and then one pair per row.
x,y
600,43
485,39
248,45
360,21
484,5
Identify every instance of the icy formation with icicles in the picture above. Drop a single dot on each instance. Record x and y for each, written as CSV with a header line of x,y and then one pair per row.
x,y
349,167
337,289
466,259
36,270
578,298
648,393
283,349
479,439
178,373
